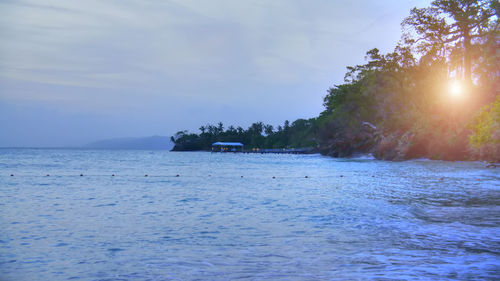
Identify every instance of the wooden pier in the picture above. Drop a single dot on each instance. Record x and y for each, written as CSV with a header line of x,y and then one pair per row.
x,y
238,147
304,150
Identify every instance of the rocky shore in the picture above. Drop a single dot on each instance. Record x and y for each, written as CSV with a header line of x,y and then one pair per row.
x,y
398,146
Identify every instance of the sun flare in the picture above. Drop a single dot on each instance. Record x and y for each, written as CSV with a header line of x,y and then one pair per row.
x,y
456,89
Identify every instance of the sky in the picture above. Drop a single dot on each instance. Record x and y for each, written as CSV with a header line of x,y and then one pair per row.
x,y
73,72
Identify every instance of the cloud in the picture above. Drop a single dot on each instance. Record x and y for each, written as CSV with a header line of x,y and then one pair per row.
x,y
171,58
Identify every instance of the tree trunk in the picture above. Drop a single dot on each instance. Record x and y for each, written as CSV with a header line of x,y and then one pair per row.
x,y
467,59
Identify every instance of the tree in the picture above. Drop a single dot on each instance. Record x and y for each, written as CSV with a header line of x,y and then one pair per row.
x,y
485,139
240,130
256,128
268,129
441,27
220,127
231,130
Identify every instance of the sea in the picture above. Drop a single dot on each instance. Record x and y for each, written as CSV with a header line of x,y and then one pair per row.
x,y
75,214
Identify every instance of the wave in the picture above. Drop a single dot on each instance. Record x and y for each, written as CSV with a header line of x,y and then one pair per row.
x,y
364,156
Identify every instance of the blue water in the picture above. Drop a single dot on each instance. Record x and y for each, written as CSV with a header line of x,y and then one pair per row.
x,y
225,217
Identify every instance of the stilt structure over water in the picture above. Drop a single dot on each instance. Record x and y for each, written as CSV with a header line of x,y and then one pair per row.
x,y
227,147
303,150
239,147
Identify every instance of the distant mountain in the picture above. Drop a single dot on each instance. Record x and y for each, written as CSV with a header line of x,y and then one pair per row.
x,y
154,142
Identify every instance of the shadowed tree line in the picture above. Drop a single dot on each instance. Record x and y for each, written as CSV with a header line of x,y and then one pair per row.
x,y
300,133
436,95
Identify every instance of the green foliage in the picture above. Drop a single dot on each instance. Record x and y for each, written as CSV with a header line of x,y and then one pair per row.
x,y
405,93
185,141
301,133
449,29
403,96
485,138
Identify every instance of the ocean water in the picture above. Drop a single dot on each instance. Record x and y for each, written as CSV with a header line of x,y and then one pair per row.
x,y
224,217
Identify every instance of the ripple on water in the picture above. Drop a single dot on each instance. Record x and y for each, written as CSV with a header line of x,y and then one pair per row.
x,y
476,216
106,205
115,250
430,220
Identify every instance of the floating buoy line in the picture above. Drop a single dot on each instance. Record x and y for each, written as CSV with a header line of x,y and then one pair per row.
x,y
114,175
172,176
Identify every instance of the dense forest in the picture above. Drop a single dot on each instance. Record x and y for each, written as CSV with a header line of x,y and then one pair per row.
x,y
301,133
436,95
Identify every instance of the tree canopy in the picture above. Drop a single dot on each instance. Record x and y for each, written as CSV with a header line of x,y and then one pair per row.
x,y
299,134
422,99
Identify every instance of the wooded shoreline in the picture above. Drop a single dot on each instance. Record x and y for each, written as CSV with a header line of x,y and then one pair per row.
x,y
436,96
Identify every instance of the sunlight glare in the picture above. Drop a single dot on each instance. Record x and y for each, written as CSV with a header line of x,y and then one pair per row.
x,y
456,89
